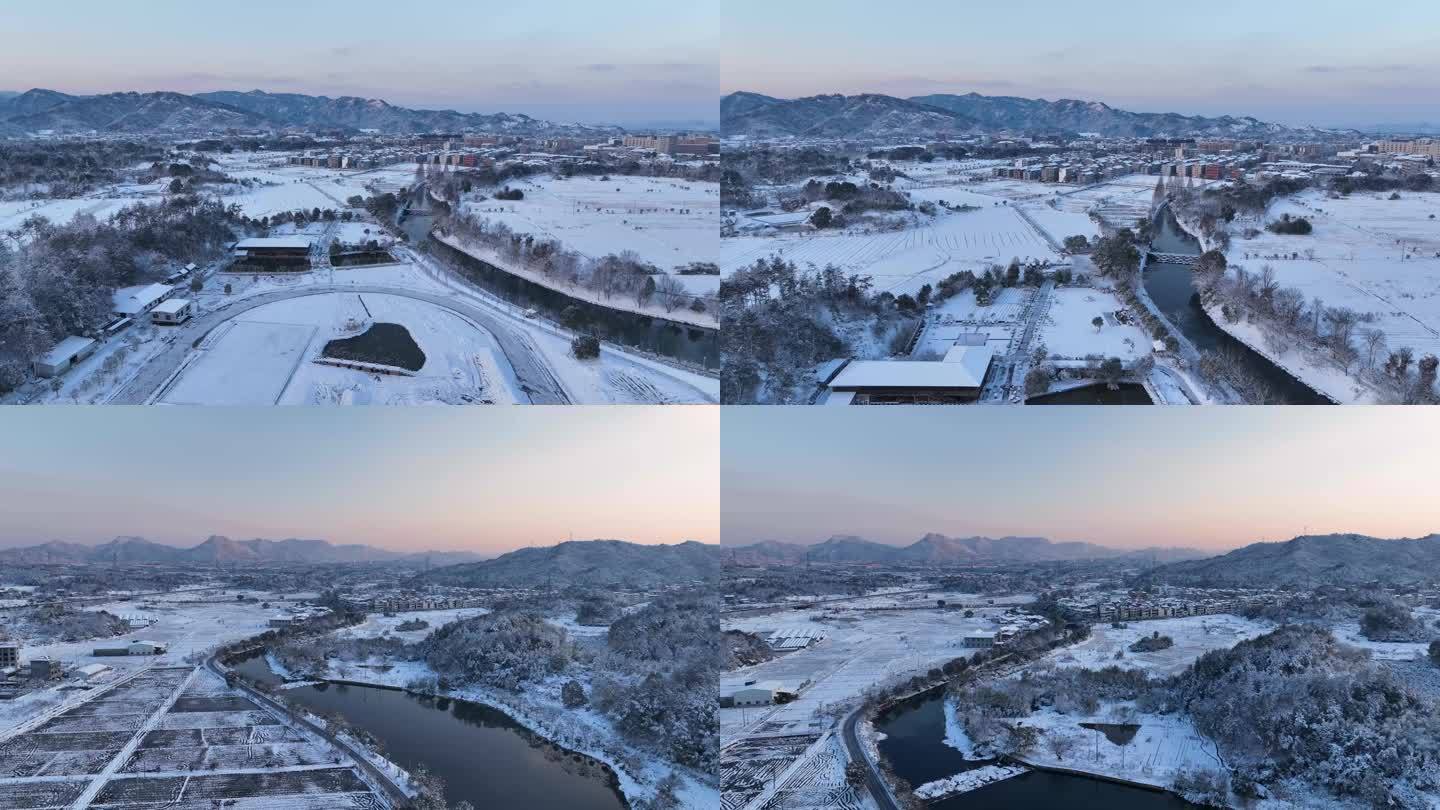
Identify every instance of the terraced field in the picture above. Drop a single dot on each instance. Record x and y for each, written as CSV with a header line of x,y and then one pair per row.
x,y
175,738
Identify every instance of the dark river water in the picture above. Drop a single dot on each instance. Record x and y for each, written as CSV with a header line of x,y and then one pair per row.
x,y
700,347
482,755
1172,288
915,748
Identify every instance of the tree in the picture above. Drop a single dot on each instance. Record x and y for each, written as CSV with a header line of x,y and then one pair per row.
x,y
1077,243
585,347
1111,372
1037,381
855,774
1211,262
1097,322
572,694
821,218
646,291
176,186
197,284
1435,652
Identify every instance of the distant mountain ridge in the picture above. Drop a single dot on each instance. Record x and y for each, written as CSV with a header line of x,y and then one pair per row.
x,y
221,550
1310,560
599,563
180,114
871,115
941,550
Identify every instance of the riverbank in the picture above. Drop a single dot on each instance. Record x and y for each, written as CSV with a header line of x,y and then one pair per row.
x,y
581,731
1320,376
681,316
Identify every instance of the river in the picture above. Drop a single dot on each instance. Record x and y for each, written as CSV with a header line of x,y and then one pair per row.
x,y
482,755
697,347
1172,288
914,745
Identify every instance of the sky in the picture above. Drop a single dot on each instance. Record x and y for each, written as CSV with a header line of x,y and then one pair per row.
x,y
1321,62
643,61
481,479
1207,478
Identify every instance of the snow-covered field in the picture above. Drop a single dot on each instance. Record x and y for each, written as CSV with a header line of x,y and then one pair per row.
x,y
861,649
667,221
904,261
1193,636
267,355
140,742
1376,256
1068,329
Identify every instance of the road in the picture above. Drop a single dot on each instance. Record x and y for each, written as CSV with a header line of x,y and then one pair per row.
x,y
536,379
879,791
398,797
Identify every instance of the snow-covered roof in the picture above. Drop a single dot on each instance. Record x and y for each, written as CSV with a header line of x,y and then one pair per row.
x,y
172,307
133,300
292,242
92,669
963,367
64,350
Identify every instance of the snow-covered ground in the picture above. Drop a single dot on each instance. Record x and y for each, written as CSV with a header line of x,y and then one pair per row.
x,y
967,781
188,630
1376,256
141,741
267,356
1193,636
667,221
861,649
1068,329
1349,632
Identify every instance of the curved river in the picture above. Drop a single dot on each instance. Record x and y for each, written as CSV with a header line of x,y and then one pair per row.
x,y
1172,288
482,755
699,347
915,747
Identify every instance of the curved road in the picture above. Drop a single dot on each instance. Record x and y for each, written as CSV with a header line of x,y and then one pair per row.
x,y
873,781
398,798
536,380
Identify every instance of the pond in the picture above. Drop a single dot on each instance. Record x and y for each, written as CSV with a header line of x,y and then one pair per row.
x,y
1099,394
386,344
915,747
482,755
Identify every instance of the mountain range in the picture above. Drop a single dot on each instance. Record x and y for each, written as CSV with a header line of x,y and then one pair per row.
x,y
613,563
937,549
1311,560
872,115
220,550
254,111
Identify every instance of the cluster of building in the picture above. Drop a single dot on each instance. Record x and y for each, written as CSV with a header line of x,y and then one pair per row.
x,y
128,304
18,676
1138,606
1224,160
697,145
136,647
336,161
402,604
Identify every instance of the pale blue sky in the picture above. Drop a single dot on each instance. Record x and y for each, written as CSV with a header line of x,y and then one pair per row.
x,y
1127,477
638,61
484,479
1326,62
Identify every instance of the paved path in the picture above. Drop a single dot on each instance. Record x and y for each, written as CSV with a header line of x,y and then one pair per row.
x,y
536,379
873,782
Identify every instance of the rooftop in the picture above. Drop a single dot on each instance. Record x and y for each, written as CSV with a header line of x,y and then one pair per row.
x,y
291,242
963,367
64,350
